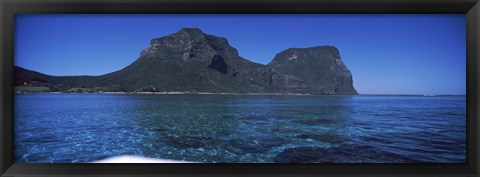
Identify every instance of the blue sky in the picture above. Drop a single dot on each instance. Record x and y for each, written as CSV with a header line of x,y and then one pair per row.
x,y
387,54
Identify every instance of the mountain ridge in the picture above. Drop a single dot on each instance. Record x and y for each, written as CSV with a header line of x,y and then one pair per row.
x,y
192,61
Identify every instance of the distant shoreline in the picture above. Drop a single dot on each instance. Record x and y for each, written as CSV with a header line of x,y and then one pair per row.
x,y
211,93
177,93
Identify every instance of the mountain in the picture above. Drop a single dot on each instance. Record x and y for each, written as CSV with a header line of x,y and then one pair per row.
x,y
320,67
192,61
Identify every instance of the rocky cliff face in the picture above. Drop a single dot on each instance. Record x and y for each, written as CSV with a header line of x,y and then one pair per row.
x,y
193,61
320,67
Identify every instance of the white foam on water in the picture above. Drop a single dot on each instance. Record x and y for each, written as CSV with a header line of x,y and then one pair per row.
x,y
136,159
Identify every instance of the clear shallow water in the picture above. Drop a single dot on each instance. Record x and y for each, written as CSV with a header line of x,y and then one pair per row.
x,y
79,128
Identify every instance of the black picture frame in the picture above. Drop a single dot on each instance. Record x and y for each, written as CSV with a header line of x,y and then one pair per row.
x,y
8,9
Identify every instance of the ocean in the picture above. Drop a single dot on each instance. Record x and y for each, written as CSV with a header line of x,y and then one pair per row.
x,y
83,128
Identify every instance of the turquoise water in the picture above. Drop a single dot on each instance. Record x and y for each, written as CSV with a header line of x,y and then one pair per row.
x,y
79,128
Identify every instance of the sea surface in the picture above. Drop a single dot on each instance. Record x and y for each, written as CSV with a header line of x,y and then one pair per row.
x,y
81,128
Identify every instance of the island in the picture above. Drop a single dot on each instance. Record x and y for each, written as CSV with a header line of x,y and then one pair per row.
x,y
190,61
